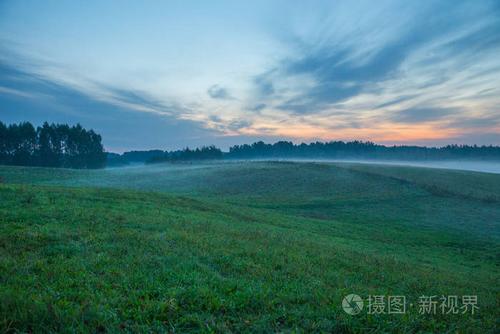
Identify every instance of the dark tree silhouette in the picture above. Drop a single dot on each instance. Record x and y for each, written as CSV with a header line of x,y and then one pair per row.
x,y
61,145
54,145
329,150
203,153
360,150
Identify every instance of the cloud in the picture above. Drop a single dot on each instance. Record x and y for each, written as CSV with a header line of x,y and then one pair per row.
x,y
140,101
6,90
395,101
340,68
114,113
264,84
336,78
218,92
239,124
258,107
422,114
484,121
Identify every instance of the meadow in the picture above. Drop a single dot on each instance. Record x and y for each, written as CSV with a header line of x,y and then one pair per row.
x,y
245,247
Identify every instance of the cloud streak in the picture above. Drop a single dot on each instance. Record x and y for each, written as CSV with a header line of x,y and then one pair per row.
x,y
120,115
218,92
338,74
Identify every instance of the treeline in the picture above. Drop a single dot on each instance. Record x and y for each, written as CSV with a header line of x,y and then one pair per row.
x,y
61,145
133,157
157,156
50,145
361,150
187,154
316,150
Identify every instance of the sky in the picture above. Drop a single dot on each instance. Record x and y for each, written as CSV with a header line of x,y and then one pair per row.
x,y
170,74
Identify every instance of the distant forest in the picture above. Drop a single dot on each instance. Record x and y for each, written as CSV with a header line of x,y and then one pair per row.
x,y
50,145
316,150
61,145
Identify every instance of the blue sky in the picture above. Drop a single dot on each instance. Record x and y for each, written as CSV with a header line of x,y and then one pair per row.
x,y
170,74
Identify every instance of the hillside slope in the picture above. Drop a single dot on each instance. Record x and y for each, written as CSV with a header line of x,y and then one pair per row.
x,y
254,247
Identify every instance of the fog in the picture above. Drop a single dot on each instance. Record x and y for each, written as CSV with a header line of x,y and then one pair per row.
x,y
476,166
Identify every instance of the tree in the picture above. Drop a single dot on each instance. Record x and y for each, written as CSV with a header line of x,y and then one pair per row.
x,y
22,143
49,145
55,145
4,136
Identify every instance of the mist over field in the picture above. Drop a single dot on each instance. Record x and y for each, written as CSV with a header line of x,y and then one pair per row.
x,y
476,166
214,243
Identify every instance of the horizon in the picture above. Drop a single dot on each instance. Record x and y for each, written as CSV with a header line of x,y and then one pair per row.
x,y
170,75
297,144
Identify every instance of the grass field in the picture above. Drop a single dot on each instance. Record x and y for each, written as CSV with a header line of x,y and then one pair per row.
x,y
245,247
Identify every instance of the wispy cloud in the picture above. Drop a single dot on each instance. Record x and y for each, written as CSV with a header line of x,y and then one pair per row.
x,y
127,119
422,114
218,92
338,73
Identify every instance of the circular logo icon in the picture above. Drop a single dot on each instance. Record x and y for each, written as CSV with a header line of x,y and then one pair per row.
x,y
352,304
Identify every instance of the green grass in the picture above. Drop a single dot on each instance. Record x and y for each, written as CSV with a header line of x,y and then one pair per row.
x,y
244,247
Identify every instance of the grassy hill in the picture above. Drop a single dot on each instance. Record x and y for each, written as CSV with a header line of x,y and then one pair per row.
x,y
247,246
